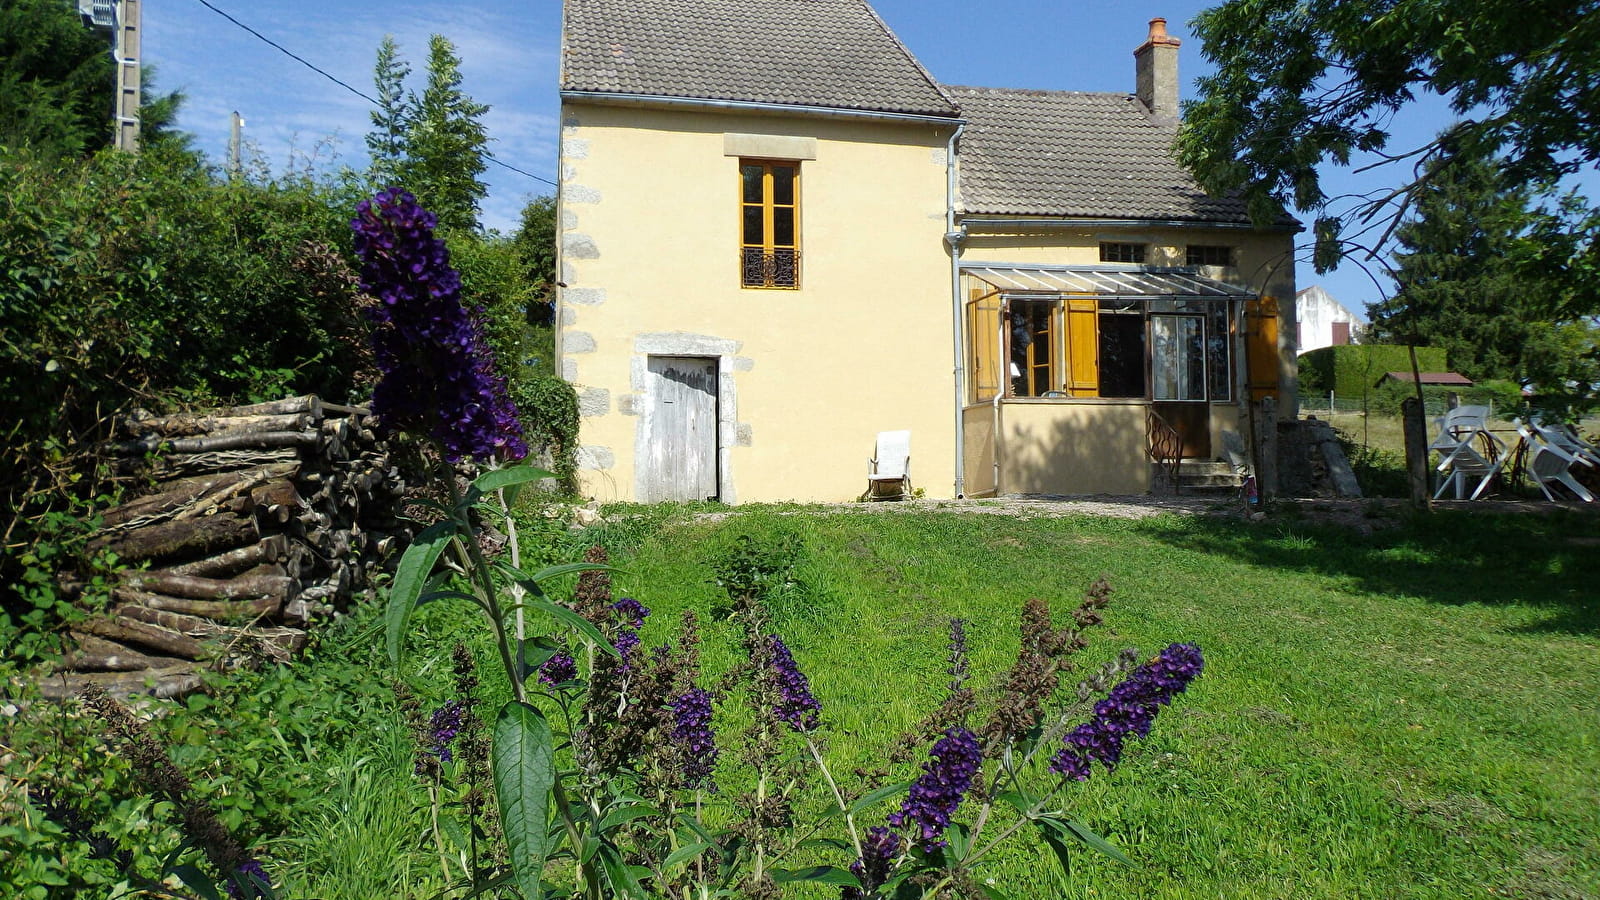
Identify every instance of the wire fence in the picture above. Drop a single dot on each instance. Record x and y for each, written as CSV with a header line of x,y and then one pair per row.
x,y
1329,406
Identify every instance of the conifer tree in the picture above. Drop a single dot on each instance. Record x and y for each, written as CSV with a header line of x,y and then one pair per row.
x,y
1472,278
446,143
386,141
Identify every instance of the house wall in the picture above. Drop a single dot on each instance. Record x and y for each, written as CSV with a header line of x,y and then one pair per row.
x,y
1084,447
1316,311
649,255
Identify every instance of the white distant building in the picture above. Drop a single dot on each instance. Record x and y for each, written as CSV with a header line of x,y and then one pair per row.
x,y
1323,321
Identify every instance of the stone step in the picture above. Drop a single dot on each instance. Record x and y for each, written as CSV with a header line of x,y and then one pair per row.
x,y
1230,481
1205,467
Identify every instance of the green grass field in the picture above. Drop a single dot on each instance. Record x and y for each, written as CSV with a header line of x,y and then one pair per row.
x,y
1409,713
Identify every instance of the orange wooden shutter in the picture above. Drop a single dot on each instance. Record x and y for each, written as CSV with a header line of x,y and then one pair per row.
x,y
983,342
1083,346
1261,347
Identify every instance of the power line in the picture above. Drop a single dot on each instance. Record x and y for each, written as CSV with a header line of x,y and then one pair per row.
x,y
304,62
286,52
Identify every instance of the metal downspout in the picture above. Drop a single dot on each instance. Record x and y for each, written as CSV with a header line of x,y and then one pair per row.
x,y
953,239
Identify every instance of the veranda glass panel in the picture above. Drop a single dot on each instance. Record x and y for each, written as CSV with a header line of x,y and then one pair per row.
x,y
1177,358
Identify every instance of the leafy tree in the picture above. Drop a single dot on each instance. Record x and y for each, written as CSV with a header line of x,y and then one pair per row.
x,y
386,141
56,79
535,243
433,145
1301,82
1470,278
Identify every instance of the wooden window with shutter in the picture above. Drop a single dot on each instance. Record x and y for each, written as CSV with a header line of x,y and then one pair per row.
x,y
769,224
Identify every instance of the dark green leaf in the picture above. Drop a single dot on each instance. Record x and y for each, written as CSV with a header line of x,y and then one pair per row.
x,y
196,881
1019,801
1069,826
626,814
879,795
409,578
620,874
492,481
685,853
819,874
574,621
524,772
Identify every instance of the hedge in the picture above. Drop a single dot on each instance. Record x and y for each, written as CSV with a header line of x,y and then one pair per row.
x,y
1353,370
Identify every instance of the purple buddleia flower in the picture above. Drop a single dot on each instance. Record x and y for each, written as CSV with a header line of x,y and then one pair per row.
x,y
248,871
796,706
1128,711
693,737
558,669
945,780
632,612
878,853
438,375
443,727
627,641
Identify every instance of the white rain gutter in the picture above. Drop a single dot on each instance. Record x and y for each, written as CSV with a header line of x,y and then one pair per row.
x,y
1062,222
827,112
953,239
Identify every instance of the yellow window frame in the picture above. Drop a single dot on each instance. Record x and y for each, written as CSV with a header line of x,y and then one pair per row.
x,y
768,247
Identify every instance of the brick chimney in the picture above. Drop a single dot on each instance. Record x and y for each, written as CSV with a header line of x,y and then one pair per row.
x,y
1156,69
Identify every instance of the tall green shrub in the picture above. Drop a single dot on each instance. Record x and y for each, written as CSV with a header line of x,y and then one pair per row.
x,y
130,279
1353,370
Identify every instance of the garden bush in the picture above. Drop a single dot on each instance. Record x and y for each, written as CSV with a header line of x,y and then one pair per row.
x,y
1353,370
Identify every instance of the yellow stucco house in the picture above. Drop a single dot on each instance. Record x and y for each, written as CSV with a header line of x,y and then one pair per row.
x,y
780,236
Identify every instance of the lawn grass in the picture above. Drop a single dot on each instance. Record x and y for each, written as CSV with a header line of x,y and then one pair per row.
x,y
1406,714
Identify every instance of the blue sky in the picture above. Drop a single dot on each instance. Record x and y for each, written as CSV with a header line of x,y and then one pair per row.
x,y
296,117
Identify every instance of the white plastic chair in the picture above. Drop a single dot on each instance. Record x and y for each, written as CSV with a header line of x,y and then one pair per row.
x,y
889,469
1566,437
1551,464
1468,451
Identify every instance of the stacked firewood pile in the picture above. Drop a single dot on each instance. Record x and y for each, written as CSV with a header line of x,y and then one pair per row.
x,y
255,520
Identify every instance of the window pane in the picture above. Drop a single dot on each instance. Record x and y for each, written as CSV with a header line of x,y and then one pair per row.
x,y
1219,369
1122,364
752,183
1119,252
783,227
783,184
1177,358
753,232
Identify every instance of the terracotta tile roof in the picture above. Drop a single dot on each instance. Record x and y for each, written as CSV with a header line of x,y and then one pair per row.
x,y
830,53
1072,154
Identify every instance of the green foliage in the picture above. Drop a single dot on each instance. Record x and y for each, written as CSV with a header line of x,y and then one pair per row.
x,y
386,141
56,79
257,746
1353,370
1301,83
127,276
1474,278
762,568
535,242
36,613
549,408
1504,396
432,144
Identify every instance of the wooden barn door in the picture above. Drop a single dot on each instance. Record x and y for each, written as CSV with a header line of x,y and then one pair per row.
x,y
681,452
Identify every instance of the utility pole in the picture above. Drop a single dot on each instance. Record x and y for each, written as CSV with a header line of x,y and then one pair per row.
x,y
125,48
236,124
119,21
